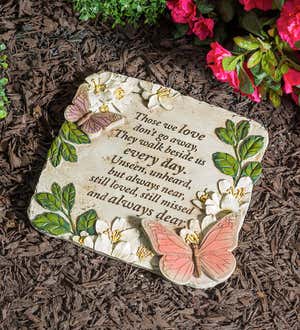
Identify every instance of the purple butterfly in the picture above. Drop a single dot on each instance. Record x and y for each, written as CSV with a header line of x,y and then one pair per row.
x,y
88,121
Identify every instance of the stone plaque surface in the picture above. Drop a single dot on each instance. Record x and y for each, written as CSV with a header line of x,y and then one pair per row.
x,y
146,175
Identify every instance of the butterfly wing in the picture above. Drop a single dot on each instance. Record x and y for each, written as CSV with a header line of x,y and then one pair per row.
x,y
176,262
99,121
80,106
216,258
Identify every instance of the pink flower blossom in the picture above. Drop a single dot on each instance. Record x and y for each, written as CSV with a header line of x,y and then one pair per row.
x,y
259,4
203,27
288,24
182,11
291,79
214,59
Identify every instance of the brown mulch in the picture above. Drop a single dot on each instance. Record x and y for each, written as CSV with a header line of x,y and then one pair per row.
x,y
49,284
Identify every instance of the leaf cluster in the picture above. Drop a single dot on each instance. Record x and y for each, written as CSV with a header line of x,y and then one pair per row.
x,y
121,12
245,146
4,102
58,221
63,145
261,58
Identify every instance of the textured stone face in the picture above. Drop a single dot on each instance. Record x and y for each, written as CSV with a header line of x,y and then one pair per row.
x,y
141,173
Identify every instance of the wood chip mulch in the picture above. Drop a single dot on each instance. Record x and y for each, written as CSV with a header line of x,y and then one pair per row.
x,y
49,284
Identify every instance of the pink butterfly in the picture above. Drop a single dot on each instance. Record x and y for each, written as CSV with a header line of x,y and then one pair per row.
x,y
180,261
89,122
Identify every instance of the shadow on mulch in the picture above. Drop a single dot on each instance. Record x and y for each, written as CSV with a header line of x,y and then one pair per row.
x,y
49,284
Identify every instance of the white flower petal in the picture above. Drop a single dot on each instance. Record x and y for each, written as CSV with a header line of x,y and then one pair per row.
x,y
105,77
84,233
166,102
101,226
197,203
229,202
207,221
146,95
119,224
153,102
89,242
103,244
245,182
130,235
194,226
122,250
215,198
224,185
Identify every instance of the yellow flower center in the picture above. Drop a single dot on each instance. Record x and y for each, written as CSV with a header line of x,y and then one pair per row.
x,y
238,193
204,197
98,88
81,240
164,91
114,235
193,238
119,93
143,252
104,108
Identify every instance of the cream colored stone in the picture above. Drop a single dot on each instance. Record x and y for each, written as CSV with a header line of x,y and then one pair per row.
x,y
146,166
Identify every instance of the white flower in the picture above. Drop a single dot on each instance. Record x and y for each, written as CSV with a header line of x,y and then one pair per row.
x,y
116,239
84,239
100,85
201,197
157,95
191,234
142,255
238,197
121,91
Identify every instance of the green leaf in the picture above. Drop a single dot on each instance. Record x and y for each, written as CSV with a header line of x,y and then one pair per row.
x,y
2,46
274,98
277,4
70,132
205,8
3,113
51,223
86,222
224,135
246,43
226,163
68,196
226,9
245,81
242,130
251,146
56,191
254,59
297,44
229,63
258,74
48,201
251,23
253,170
3,81
68,152
54,153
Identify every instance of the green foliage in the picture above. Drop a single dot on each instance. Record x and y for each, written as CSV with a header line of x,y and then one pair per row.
x,y
121,12
245,146
4,102
60,201
60,147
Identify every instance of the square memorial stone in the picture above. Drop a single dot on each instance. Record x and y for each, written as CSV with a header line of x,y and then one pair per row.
x,y
145,175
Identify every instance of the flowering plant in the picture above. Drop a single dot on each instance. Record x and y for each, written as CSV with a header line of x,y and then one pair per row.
x,y
264,61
